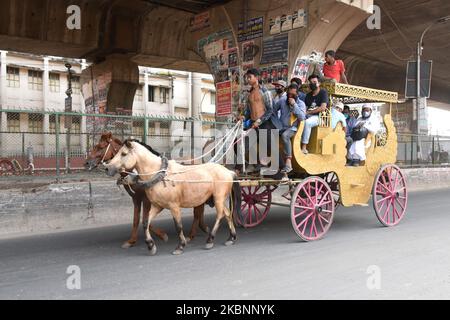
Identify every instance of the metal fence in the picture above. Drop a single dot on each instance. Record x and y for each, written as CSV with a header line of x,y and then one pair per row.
x,y
415,150
57,142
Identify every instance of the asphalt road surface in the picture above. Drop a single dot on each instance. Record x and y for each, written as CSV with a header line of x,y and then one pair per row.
x,y
358,259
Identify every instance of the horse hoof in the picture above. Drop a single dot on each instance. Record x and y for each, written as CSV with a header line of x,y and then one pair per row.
x,y
189,239
209,245
229,243
127,245
152,251
165,238
177,252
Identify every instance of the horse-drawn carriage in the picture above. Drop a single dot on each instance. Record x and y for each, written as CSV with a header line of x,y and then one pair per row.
x,y
321,181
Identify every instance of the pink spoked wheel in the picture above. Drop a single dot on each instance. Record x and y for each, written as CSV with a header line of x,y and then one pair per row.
x,y
254,205
390,195
312,209
6,167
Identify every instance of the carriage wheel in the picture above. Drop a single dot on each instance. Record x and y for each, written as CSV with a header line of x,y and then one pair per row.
x,y
312,209
6,167
255,205
390,196
332,180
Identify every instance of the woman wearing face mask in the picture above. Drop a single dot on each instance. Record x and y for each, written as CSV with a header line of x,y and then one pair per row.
x,y
367,123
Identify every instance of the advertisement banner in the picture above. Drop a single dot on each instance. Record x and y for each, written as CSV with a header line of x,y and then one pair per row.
x,y
223,96
275,49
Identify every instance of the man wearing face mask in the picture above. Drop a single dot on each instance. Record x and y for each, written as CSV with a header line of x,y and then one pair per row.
x,y
367,123
351,120
279,90
316,102
286,106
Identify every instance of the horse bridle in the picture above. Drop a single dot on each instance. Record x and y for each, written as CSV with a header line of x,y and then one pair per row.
x,y
104,155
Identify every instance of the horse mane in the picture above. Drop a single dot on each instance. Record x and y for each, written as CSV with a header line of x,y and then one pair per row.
x,y
156,153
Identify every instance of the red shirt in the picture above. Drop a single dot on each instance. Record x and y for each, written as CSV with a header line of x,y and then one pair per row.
x,y
334,71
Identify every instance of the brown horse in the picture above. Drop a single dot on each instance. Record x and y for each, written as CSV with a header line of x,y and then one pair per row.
x,y
105,150
172,186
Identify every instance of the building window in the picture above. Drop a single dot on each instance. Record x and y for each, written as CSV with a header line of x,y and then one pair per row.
x,y
164,128
35,122
164,93
213,98
75,126
76,86
138,129
53,82
12,77
52,123
151,127
34,80
151,93
138,95
13,122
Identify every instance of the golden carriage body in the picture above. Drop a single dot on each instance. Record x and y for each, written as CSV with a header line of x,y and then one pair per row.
x,y
321,180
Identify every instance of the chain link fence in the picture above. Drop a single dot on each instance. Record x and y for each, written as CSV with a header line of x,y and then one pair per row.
x,y
58,142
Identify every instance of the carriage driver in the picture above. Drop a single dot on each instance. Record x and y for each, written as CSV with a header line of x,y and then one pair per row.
x,y
258,112
367,123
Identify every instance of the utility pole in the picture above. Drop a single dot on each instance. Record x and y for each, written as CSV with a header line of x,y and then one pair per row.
x,y
419,99
68,119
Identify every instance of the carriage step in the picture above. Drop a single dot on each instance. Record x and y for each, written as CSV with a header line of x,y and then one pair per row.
x,y
354,185
362,204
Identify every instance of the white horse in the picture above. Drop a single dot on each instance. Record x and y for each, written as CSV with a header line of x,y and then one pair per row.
x,y
172,186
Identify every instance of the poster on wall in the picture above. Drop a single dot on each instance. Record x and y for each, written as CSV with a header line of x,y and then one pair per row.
x,y
299,19
275,25
275,49
286,22
199,21
301,69
254,29
249,51
235,77
224,98
232,57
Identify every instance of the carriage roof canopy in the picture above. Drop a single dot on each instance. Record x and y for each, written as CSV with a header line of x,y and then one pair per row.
x,y
356,94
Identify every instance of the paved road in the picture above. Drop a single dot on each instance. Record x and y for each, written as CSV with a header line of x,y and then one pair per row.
x,y
268,262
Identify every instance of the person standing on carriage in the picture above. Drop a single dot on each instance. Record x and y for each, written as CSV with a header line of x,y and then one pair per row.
x,y
258,114
367,123
291,104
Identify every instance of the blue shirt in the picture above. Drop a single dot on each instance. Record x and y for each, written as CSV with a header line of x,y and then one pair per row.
x,y
336,117
351,122
302,96
284,121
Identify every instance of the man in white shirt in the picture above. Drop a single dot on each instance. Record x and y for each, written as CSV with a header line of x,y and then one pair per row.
x,y
365,124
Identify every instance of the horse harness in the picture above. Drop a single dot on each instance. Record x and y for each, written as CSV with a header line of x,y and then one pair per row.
x,y
157,177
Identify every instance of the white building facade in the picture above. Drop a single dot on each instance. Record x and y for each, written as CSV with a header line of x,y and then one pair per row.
x,y
38,84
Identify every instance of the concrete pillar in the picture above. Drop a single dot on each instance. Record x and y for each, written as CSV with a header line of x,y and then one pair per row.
x,y
45,92
120,75
3,117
